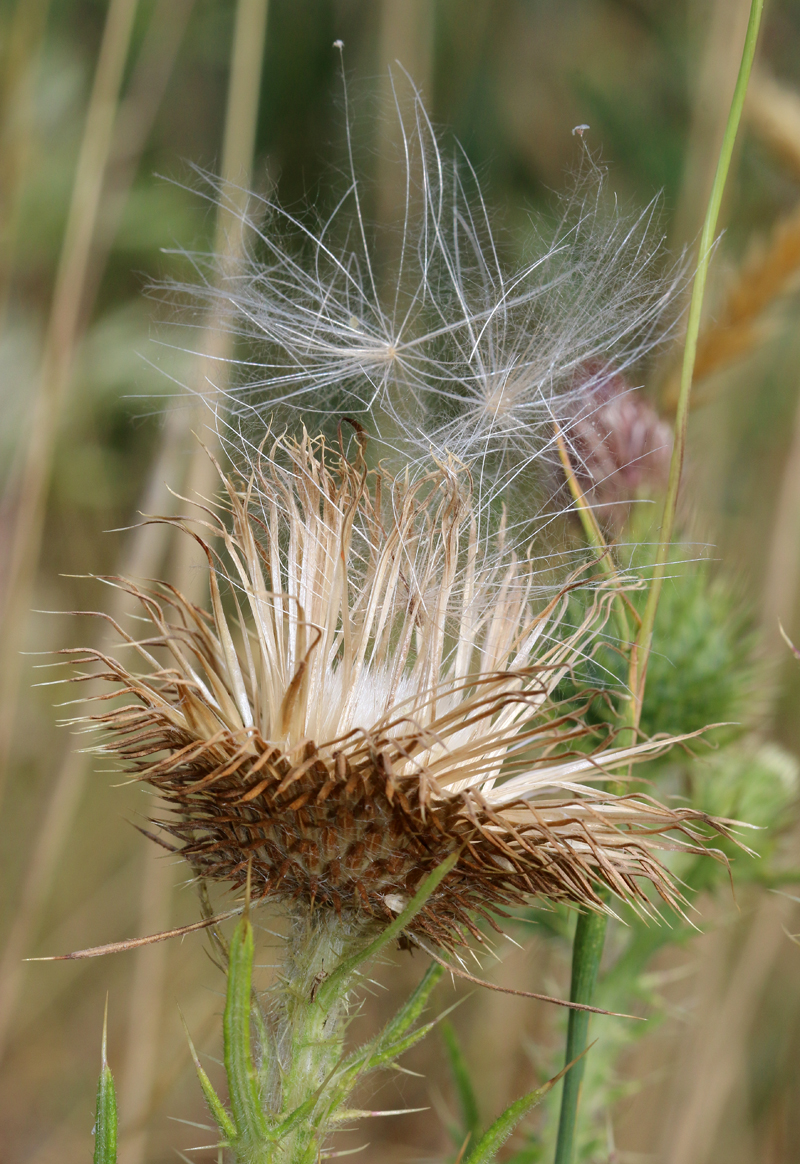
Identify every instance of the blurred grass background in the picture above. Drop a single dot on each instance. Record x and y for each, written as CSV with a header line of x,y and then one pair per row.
x,y
90,412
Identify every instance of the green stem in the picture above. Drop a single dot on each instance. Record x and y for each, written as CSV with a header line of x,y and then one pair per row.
x,y
594,536
285,1097
590,931
641,649
310,1030
587,951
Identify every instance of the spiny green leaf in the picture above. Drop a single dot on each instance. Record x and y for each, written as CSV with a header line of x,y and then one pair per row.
x,y
389,1044
492,1141
215,1105
470,1118
333,985
395,1050
248,1117
298,1116
413,1007
368,1058
105,1127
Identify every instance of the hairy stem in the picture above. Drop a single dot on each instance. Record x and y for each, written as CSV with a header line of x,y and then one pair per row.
x,y
308,1034
286,1098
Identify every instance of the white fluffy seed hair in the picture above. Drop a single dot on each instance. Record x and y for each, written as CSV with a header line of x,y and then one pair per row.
x,y
452,354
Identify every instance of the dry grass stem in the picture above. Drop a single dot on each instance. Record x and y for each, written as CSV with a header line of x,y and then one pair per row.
x,y
714,82
718,1044
143,559
773,112
59,349
405,36
145,1011
738,324
37,882
213,365
780,587
20,58
247,52
144,555
146,545
134,123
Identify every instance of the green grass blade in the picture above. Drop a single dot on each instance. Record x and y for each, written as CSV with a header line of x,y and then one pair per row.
x,y
105,1126
587,951
248,1117
470,1117
333,986
645,636
388,1054
591,930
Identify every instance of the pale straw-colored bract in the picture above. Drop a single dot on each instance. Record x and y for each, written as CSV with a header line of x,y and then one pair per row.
x,y
380,692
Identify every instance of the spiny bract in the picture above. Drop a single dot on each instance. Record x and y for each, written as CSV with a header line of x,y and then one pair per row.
x,y
374,691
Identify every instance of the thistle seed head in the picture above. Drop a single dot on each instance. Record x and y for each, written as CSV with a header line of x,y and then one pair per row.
x,y
372,688
454,349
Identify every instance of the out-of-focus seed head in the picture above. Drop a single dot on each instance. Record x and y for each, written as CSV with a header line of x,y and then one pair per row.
x,y
620,447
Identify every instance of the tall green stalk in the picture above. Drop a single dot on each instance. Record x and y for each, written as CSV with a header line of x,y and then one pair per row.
x,y
587,951
641,649
591,927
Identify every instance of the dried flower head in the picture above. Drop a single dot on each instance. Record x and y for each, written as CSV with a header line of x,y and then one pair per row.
x,y
373,689
375,686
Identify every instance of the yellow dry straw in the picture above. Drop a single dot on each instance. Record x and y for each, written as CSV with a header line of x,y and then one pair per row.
x,y
737,329
149,976
57,360
146,548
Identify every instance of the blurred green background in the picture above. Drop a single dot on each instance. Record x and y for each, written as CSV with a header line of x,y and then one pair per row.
x,y
718,1077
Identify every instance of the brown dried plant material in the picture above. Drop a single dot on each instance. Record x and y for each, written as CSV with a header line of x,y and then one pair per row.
x,y
374,692
773,112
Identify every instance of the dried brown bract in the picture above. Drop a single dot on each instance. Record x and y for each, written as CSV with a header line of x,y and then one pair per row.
x,y
372,689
